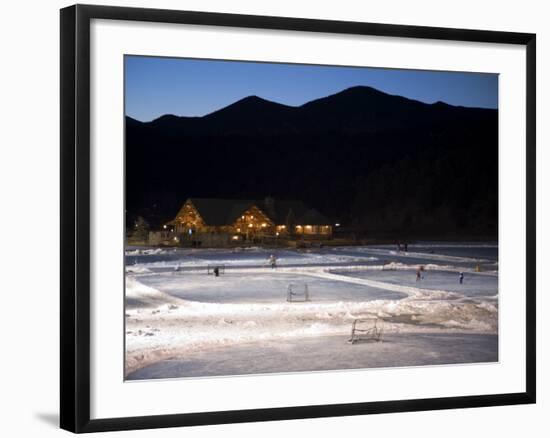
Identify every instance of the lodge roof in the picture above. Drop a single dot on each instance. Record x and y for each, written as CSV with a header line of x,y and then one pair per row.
x,y
219,212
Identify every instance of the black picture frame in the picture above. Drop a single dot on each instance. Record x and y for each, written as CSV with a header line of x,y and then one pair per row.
x,y
75,217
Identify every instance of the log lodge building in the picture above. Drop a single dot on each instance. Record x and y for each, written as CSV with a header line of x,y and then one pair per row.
x,y
218,222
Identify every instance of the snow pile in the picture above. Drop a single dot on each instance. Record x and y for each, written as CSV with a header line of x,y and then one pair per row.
x,y
137,269
140,295
152,251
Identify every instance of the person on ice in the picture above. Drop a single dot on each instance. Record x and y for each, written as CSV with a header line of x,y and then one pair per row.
x,y
461,278
419,273
273,261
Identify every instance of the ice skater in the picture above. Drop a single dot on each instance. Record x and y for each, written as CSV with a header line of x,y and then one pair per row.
x,y
461,278
420,273
273,261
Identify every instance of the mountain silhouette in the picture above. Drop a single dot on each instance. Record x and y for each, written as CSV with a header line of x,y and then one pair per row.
x,y
375,161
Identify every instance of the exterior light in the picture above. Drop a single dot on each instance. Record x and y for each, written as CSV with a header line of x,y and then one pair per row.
x,y
337,225
242,217
164,227
283,226
308,226
264,225
249,225
277,233
235,237
238,230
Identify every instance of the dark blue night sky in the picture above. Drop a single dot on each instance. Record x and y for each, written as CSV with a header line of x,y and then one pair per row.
x,y
184,87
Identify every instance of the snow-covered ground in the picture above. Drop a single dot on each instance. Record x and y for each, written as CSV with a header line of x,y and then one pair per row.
x,y
178,318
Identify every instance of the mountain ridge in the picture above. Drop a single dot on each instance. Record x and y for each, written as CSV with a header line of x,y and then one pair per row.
x,y
361,156
355,88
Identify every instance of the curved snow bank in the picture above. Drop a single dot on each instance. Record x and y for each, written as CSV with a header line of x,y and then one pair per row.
x,y
139,295
150,251
412,292
419,255
137,269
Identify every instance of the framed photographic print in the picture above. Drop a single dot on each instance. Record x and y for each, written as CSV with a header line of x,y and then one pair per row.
x,y
271,218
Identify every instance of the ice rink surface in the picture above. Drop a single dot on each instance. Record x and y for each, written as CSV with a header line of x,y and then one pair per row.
x,y
265,287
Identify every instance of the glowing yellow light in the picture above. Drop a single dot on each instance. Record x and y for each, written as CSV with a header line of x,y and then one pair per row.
x,y
242,217
298,226
249,225
308,226
235,237
238,230
165,227
264,225
277,234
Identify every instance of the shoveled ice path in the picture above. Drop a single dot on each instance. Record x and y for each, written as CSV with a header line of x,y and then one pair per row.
x,y
326,353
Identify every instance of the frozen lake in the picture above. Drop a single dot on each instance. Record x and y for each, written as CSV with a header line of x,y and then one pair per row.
x,y
182,322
